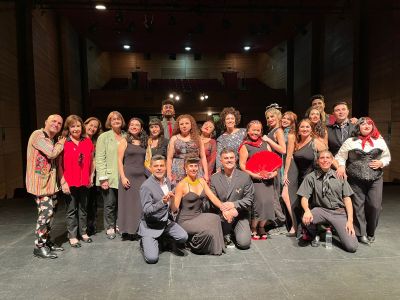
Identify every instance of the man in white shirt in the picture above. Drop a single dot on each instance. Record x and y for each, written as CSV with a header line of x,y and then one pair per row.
x,y
155,196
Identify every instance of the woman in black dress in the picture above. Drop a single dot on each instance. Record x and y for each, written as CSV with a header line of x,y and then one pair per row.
x,y
288,124
131,154
204,229
302,151
263,183
276,140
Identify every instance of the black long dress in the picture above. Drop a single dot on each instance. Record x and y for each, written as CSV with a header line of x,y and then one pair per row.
x,y
204,229
264,190
129,205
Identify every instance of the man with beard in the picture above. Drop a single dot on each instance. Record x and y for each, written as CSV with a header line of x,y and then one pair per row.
x,y
155,196
168,121
41,181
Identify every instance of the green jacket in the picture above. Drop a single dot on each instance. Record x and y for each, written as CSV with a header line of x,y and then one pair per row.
x,y
107,159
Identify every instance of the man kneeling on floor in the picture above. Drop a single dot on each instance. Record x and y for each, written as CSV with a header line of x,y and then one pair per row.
x,y
155,196
331,204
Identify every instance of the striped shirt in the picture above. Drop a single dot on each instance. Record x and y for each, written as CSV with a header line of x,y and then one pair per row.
x,y
41,175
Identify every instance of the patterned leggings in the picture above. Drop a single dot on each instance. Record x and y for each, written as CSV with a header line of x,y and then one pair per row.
x,y
46,207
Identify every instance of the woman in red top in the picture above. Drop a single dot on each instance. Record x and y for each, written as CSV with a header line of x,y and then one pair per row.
x,y
76,172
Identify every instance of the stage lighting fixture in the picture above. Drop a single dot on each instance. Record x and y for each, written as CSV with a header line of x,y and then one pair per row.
x,y
177,98
188,48
203,96
209,113
127,47
171,96
100,7
246,48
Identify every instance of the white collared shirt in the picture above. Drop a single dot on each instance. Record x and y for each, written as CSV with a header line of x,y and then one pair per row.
x,y
352,143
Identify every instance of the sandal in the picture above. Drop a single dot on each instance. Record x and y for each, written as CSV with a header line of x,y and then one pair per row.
x,y
262,233
255,236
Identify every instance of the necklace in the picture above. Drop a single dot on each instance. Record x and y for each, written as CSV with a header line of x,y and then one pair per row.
x,y
192,183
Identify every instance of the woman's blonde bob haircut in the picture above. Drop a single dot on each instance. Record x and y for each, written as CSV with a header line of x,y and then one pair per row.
x,y
110,115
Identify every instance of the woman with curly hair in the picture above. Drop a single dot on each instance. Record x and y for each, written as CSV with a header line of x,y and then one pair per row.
x,y
318,126
131,155
185,142
232,137
302,151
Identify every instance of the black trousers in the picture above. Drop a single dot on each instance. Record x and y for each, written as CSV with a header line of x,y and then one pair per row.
x,y
367,203
92,210
240,229
336,218
76,206
110,198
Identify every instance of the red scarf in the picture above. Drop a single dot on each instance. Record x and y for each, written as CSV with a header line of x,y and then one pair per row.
x,y
373,135
365,139
256,143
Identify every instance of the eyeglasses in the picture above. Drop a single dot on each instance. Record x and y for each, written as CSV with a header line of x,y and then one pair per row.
x,y
80,159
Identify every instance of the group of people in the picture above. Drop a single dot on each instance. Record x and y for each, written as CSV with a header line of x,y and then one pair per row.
x,y
180,185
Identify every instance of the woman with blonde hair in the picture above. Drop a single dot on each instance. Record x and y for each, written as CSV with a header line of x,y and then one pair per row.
x,y
276,140
184,143
107,175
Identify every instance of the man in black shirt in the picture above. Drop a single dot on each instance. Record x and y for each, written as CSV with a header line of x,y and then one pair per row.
x,y
331,203
342,129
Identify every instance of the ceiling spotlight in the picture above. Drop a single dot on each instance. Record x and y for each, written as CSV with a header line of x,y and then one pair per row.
x,y
209,113
177,97
127,47
246,48
100,7
171,96
188,48
203,96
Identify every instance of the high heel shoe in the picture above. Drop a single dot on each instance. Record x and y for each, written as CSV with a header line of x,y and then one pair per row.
x,y
75,245
87,240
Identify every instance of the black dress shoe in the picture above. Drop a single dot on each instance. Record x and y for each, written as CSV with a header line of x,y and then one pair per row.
x,y
315,242
88,240
363,240
371,239
303,243
54,247
44,252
